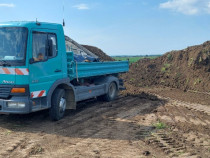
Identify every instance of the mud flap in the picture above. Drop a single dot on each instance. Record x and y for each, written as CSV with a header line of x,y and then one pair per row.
x,y
71,103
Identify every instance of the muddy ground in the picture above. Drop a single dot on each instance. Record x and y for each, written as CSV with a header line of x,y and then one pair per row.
x,y
137,124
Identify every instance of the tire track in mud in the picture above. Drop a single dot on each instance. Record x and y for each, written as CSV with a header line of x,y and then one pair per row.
x,y
167,144
183,119
188,117
175,145
8,145
196,107
106,124
195,119
196,115
17,145
112,121
106,113
86,115
162,139
95,120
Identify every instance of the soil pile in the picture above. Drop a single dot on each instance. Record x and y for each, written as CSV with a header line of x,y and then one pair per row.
x,y
103,56
90,50
187,69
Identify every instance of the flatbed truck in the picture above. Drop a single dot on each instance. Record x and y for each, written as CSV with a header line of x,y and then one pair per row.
x,y
37,73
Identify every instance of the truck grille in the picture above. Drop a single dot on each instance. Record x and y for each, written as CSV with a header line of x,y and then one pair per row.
x,y
5,91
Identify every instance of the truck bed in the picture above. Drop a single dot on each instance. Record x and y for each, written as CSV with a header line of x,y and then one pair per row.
x,y
89,69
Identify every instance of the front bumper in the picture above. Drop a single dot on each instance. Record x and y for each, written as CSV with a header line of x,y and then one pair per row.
x,y
6,110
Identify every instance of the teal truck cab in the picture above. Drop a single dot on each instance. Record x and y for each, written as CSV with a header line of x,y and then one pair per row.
x,y
37,73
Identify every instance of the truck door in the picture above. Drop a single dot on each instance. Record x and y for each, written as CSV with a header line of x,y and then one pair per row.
x,y
45,65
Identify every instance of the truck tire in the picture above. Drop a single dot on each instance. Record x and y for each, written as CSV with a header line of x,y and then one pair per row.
x,y
58,105
111,94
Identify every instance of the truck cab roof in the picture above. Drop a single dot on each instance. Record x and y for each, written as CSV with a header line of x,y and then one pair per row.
x,y
31,24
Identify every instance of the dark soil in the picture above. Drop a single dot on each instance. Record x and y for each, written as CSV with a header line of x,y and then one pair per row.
x,y
187,69
140,125
172,93
103,56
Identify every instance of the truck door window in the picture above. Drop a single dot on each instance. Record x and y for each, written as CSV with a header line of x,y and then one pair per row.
x,y
53,38
39,46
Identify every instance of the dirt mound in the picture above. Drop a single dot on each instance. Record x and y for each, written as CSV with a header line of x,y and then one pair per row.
x,y
103,56
72,45
187,69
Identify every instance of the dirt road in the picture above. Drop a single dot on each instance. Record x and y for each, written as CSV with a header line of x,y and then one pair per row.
x,y
131,126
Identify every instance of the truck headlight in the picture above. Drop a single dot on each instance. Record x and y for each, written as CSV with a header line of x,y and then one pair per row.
x,y
16,105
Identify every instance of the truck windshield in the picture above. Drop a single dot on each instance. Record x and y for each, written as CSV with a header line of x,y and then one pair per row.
x,y
12,45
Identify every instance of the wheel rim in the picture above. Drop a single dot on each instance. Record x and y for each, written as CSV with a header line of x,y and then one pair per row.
x,y
112,90
62,105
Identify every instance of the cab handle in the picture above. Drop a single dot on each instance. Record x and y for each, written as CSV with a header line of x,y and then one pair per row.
x,y
57,70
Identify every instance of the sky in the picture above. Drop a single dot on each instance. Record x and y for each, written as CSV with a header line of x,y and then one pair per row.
x,y
121,27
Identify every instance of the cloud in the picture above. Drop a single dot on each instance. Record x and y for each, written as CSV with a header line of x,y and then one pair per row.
x,y
188,7
11,5
208,8
81,6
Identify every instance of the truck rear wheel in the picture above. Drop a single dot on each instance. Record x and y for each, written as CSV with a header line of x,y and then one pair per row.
x,y
112,92
58,105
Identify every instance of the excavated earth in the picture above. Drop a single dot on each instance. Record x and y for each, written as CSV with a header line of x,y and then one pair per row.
x,y
103,56
144,121
187,69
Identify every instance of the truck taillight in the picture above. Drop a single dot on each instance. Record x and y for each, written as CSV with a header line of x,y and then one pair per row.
x,y
18,90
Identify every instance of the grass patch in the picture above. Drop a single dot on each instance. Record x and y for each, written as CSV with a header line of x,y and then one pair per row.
x,y
167,65
190,62
36,150
160,125
8,132
165,68
162,81
132,79
180,153
134,59
169,57
200,60
197,81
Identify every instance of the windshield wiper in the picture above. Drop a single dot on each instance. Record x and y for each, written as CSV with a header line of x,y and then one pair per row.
x,y
4,63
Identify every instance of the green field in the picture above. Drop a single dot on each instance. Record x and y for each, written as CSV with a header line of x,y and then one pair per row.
x,y
133,59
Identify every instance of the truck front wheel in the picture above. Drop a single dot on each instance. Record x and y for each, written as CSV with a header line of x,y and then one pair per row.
x,y
58,105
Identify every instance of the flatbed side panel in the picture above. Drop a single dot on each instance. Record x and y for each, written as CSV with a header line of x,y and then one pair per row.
x,y
87,92
86,69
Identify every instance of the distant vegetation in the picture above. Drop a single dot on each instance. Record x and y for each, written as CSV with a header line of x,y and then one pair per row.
x,y
134,59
